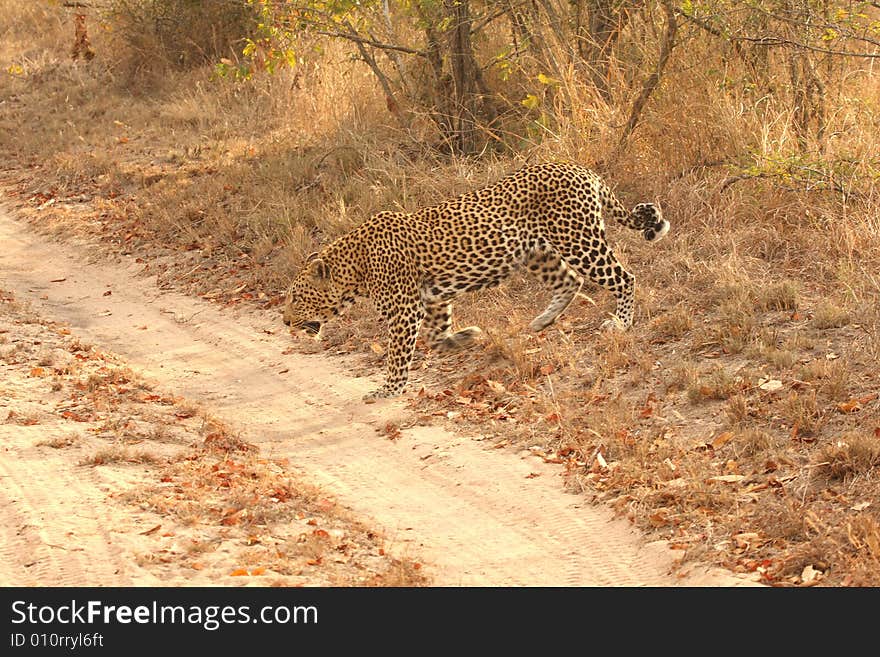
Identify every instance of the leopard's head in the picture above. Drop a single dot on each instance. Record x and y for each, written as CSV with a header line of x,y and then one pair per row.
x,y
650,221
313,297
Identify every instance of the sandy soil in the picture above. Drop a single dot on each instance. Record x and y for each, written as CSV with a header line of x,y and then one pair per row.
x,y
473,514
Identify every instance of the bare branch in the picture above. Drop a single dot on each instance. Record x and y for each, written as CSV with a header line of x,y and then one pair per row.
x,y
653,80
373,43
480,25
777,41
773,41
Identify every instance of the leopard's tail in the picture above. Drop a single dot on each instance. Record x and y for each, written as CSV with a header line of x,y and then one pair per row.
x,y
645,217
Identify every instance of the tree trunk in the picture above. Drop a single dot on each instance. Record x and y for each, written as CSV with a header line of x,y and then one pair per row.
x,y
465,76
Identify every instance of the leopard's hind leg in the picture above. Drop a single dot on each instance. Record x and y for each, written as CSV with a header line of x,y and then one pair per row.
x,y
546,264
438,328
594,259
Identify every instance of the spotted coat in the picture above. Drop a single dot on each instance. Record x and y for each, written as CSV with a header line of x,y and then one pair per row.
x,y
546,218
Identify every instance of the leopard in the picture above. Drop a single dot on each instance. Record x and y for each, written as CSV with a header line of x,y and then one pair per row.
x,y
545,219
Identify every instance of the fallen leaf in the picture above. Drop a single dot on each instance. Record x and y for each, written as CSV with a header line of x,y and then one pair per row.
x,y
376,348
659,518
849,407
238,572
547,369
58,280
38,371
70,415
771,385
258,571
495,386
107,293
532,475
391,430
151,530
727,479
861,506
745,539
722,439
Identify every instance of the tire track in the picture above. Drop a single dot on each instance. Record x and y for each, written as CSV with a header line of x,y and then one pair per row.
x,y
44,539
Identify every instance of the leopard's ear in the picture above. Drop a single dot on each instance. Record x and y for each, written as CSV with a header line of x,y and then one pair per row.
x,y
312,256
318,269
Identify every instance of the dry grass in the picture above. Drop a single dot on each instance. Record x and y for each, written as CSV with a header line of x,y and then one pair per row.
x,y
718,417
120,454
60,442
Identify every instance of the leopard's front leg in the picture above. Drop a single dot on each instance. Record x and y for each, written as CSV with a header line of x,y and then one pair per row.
x,y
403,329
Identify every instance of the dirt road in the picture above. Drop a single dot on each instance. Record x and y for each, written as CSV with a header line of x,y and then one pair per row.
x,y
478,516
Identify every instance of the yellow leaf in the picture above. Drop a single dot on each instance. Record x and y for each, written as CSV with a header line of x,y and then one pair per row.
x,y
531,101
238,572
